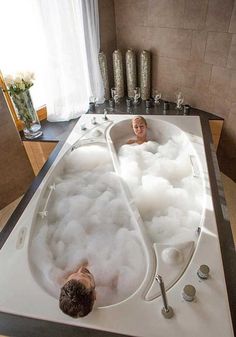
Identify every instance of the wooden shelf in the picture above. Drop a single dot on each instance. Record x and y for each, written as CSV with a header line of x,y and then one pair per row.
x,y
38,153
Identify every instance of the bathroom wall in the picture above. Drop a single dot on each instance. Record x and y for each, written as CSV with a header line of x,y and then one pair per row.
x,y
107,32
193,46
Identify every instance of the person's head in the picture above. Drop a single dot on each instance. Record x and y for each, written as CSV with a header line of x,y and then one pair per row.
x,y
139,125
78,294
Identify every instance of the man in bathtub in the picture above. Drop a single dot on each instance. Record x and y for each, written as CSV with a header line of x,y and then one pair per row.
x,y
78,293
139,125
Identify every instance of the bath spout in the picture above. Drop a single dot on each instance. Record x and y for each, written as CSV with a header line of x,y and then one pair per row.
x,y
167,310
105,114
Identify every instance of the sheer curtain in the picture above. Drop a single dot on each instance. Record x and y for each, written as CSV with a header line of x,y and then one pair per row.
x,y
72,75
22,44
59,41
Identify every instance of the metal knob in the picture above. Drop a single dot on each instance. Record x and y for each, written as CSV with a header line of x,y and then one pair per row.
x,y
203,271
105,114
93,120
189,292
167,310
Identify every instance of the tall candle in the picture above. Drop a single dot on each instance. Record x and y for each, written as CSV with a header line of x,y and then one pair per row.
x,y
118,73
145,74
131,73
104,72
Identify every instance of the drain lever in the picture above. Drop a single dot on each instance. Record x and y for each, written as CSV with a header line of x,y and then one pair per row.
x,y
167,310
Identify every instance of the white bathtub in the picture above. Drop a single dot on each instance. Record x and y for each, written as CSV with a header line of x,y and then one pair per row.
x,y
141,313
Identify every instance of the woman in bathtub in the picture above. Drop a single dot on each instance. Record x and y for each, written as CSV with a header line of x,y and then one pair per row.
x,y
78,293
139,125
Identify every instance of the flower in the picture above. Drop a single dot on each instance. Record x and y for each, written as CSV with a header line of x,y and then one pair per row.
x,y
20,83
18,86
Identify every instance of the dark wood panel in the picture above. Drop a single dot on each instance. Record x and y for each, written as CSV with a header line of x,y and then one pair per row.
x,y
15,170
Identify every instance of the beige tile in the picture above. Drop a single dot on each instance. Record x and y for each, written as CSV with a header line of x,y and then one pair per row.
x,y
232,87
220,81
221,106
219,15
217,48
170,42
203,100
155,70
199,40
166,13
107,22
232,26
131,12
195,14
135,39
232,53
200,99
172,75
107,33
188,94
190,71
170,72
203,75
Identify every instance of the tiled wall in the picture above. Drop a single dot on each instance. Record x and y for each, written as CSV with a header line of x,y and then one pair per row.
x,y
107,32
193,46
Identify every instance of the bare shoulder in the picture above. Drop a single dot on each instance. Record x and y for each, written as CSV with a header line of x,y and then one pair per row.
x,y
131,141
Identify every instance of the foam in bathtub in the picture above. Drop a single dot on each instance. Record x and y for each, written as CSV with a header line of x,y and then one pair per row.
x,y
87,220
133,315
168,196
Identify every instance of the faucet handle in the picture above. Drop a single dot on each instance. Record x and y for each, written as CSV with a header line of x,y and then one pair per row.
x,y
105,114
167,310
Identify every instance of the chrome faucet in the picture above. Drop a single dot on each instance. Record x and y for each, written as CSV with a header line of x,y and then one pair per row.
x,y
167,310
105,114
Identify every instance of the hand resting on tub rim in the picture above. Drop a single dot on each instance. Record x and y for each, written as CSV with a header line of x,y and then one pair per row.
x,y
139,125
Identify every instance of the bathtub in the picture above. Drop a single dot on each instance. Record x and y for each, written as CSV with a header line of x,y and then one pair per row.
x,y
141,313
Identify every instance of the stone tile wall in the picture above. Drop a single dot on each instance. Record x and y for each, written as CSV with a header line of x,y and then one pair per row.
x,y
107,32
193,46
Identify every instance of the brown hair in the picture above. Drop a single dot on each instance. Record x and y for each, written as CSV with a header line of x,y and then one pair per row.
x,y
75,299
140,118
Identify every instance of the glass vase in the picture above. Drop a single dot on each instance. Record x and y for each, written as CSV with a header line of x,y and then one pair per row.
x,y
27,114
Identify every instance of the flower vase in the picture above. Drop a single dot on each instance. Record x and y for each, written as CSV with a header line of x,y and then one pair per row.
x,y
27,114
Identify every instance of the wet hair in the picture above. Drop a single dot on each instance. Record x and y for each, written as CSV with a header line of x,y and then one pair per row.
x,y
140,118
75,299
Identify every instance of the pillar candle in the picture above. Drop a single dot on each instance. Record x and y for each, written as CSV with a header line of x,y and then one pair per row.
x,y
131,75
104,72
118,73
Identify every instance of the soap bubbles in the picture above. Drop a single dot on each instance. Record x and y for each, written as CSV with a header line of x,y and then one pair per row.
x,y
168,197
88,221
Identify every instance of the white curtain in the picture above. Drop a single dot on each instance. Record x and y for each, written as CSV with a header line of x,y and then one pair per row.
x,y
22,44
72,75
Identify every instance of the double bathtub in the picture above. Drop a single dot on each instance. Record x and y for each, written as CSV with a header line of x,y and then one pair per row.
x,y
31,292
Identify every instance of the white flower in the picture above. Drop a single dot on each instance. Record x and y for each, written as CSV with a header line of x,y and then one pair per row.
x,y
9,80
21,86
18,80
28,77
20,83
